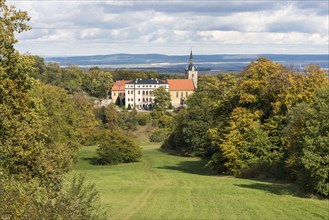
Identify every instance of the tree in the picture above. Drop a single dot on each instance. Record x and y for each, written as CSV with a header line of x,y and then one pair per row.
x,y
307,158
31,160
115,148
97,82
111,118
71,79
161,98
21,117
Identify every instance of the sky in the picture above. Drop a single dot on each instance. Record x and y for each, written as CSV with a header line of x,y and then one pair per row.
x,y
173,27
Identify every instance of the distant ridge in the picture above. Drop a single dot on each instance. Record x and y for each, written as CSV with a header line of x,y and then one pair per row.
x,y
217,62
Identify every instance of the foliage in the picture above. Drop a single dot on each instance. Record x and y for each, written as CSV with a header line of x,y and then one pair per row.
x,y
39,136
78,200
159,135
22,117
161,98
62,133
308,142
143,118
116,148
97,82
125,74
73,79
111,120
128,119
240,121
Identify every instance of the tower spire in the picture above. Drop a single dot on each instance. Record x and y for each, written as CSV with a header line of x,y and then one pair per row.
x,y
191,57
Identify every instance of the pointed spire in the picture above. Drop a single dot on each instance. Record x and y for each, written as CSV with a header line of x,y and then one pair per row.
x,y
191,57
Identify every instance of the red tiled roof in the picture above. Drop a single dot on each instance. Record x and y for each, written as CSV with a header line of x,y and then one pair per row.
x,y
119,85
180,85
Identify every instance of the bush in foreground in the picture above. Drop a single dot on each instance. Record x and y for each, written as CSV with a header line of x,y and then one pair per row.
x,y
159,135
116,148
28,200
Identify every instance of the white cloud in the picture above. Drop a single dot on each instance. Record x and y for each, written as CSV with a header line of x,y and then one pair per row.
x,y
91,27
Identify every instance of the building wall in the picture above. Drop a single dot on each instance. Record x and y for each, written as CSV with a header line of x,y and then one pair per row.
x,y
116,94
140,96
192,74
178,97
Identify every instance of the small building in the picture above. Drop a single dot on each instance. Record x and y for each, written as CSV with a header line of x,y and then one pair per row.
x,y
139,92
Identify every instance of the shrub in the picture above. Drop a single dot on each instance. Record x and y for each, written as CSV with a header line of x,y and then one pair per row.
x,y
116,148
28,200
159,135
143,119
165,121
263,171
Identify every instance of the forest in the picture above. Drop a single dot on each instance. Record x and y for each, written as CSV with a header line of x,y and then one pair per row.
x,y
269,121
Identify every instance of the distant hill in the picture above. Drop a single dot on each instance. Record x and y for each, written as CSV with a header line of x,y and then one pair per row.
x,y
176,64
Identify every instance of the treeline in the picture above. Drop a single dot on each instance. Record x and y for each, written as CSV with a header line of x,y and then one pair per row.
x,y
95,82
269,121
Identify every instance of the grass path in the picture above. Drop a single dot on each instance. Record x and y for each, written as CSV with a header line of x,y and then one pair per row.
x,y
139,201
165,186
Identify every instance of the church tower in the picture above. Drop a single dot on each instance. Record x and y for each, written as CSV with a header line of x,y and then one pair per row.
x,y
191,72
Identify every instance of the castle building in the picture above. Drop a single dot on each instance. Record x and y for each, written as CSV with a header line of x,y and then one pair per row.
x,y
138,93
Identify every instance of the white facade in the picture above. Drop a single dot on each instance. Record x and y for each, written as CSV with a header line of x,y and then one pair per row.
x,y
139,93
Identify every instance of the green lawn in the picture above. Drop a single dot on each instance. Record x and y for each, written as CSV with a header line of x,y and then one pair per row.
x,y
165,186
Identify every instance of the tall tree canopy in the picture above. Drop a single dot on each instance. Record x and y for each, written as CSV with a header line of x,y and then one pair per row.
x,y
21,116
240,122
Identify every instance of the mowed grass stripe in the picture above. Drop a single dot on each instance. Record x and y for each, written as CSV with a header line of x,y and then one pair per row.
x,y
166,186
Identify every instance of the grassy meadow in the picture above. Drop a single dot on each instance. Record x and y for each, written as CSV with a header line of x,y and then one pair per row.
x,y
165,186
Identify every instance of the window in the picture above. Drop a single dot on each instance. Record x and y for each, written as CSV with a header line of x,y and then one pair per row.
x,y
143,92
128,92
139,100
176,94
150,99
182,94
147,92
132,92
113,93
128,100
139,92
143,99
186,94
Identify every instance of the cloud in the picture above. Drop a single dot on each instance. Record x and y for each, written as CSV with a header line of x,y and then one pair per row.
x,y
90,27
